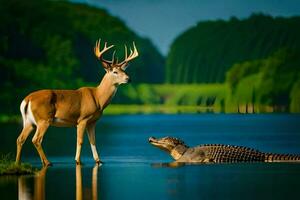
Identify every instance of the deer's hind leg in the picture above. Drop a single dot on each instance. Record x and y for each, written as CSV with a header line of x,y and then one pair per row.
x,y
27,129
37,141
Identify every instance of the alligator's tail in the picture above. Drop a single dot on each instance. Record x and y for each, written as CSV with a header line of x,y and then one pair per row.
x,y
274,157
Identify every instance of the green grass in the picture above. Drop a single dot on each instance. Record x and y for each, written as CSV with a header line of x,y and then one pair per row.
x,y
154,109
6,118
174,94
9,167
184,98
191,94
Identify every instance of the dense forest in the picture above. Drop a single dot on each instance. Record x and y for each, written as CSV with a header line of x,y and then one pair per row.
x,y
204,53
49,44
249,65
272,82
256,61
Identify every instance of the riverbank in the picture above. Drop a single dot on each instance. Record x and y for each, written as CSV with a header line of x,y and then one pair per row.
x,y
9,167
119,109
129,109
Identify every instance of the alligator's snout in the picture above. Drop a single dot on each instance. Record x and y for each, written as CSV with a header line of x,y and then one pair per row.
x,y
152,139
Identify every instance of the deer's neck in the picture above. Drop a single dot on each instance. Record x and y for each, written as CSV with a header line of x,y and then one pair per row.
x,y
105,92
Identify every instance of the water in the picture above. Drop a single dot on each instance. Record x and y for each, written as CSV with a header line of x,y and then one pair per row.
x,y
133,169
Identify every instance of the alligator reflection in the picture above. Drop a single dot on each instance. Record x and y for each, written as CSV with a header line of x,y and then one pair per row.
x,y
171,165
38,193
178,164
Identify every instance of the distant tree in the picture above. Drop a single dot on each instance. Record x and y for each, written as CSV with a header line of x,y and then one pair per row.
x,y
205,52
295,97
49,44
275,79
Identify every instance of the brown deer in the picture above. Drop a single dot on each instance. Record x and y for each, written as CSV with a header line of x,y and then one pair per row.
x,y
80,108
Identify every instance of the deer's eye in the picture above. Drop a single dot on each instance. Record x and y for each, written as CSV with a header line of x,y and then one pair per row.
x,y
115,72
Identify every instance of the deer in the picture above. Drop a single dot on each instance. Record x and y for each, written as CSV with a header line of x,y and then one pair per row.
x,y
79,108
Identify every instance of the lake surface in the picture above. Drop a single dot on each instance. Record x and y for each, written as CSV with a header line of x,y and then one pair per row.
x,y
133,169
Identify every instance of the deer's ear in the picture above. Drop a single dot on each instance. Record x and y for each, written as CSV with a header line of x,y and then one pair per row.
x,y
106,66
124,66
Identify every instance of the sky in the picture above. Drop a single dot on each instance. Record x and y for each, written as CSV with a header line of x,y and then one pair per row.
x,y
163,20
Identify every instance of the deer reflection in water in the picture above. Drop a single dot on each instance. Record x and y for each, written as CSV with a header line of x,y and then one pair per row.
x,y
25,192
93,193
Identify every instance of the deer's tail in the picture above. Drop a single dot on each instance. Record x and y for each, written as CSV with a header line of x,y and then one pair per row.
x,y
23,109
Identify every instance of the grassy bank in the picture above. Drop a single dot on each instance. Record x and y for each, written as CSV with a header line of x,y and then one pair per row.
x,y
174,95
155,109
122,109
186,98
9,167
221,97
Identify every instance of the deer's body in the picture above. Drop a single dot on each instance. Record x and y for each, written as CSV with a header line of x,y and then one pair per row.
x,y
67,107
80,108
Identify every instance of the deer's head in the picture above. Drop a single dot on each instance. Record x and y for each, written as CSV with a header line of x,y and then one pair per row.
x,y
115,70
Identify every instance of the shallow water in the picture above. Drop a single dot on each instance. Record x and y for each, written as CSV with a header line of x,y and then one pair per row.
x,y
133,169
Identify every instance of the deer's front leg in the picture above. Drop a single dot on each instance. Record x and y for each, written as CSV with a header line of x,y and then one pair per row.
x,y
80,133
91,136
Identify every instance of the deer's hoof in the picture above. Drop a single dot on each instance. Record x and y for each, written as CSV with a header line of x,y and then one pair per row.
x,y
78,163
47,164
99,162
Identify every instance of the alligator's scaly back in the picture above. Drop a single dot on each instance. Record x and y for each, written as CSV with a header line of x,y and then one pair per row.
x,y
274,157
229,153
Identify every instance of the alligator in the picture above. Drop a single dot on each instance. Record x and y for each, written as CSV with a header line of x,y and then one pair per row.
x,y
216,153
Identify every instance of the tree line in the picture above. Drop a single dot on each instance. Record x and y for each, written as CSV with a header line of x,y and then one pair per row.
x,y
49,44
204,53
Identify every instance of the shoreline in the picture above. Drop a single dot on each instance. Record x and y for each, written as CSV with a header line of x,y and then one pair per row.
x,y
131,109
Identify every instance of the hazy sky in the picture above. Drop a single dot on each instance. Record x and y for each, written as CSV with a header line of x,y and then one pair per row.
x,y
163,20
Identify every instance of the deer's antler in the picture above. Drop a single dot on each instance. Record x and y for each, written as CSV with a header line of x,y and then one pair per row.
x,y
133,54
99,53
111,63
